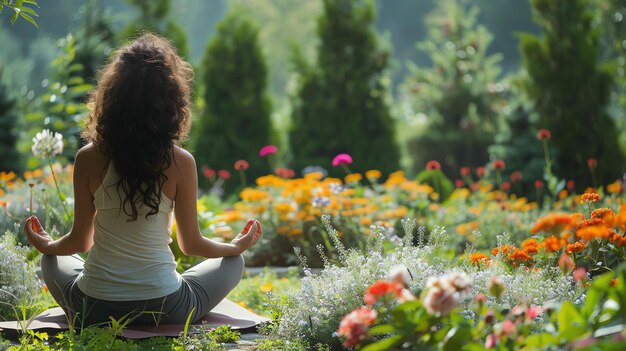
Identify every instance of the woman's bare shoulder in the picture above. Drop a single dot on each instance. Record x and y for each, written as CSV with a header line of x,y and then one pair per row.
x,y
91,154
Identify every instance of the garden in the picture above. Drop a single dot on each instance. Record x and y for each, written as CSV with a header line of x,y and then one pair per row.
x,y
441,205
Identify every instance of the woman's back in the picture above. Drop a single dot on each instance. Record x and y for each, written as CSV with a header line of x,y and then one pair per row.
x,y
130,260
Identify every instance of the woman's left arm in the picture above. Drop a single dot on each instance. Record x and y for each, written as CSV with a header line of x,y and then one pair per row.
x,y
80,237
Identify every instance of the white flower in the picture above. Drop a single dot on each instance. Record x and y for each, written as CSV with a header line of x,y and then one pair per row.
x,y
47,144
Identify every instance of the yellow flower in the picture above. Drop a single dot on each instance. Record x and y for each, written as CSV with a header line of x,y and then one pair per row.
x,y
353,178
249,194
225,232
614,187
267,287
284,208
314,175
373,174
201,206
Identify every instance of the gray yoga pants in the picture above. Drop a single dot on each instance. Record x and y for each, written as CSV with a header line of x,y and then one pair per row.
x,y
203,287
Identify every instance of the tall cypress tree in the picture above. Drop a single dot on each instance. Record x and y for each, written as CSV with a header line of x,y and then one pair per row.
x,y
341,105
9,157
235,122
570,90
459,93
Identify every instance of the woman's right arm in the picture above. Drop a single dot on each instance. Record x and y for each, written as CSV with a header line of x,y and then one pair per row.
x,y
190,239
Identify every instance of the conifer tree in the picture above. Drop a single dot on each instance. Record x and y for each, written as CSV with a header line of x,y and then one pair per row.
x,y
235,123
154,17
570,90
459,94
340,105
9,157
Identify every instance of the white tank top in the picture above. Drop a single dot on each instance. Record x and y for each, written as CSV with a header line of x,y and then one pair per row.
x,y
129,260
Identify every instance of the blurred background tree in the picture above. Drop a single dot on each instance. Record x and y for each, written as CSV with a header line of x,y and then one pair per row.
x,y
235,122
341,105
154,16
570,89
459,96
9,156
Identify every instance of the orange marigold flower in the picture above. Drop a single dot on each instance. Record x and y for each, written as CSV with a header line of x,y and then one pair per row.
x,y
504,249
530,246
590,222
552,244
477,258
601,212
520,256
575,247
589,197
552,223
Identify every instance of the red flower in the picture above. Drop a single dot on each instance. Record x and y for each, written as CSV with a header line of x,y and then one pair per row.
x,y
459,183
592,163
433,165
498,164
241,165
342,159
543,134
538,184
465,171
571,185
480,171
208,172
505,186
353,327
516,176
224,174
285,172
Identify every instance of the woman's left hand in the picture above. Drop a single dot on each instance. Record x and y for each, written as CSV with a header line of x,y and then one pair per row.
x,y
35,234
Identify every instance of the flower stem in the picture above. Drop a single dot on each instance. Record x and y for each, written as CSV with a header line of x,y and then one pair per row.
x,y
56,184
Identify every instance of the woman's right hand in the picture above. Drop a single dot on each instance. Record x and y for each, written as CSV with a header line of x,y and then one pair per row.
x,y
248,236
36,236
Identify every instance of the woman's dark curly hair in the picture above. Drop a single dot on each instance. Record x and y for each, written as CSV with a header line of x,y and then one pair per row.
x,y
139,110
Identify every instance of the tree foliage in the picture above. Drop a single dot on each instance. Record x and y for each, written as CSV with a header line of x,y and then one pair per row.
x,y
459,95
154,17
341,106
570,88
235,122
21,10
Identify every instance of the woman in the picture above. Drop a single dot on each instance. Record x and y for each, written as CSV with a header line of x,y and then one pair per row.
x,y
127,182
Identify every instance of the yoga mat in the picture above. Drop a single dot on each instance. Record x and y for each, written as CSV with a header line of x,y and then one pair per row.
x,y
225,313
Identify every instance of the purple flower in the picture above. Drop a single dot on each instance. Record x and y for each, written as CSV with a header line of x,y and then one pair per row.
x,y
342,159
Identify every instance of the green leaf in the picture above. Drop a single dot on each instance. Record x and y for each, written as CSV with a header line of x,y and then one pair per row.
x,y
382,329
75,67
29,11
457,337
81,89
571,324
385,344
541,341
29,19
16,12
595,293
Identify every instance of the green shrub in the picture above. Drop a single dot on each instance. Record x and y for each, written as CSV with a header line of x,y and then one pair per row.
x,y
341,102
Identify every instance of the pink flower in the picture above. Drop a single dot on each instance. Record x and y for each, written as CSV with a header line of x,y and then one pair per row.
x,y
498,164
490,343
465,171
241,165
480,171
543,134
445,292
440,300
433,165
533,311
342,159
592,163
353,327
579,274
459,183
285,172
267,150
400,275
